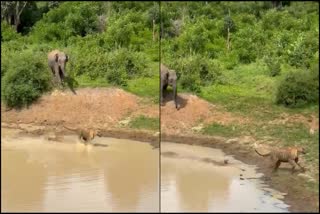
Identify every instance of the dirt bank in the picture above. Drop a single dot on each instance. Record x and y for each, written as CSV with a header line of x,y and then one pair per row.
x,y
192,112
95,108
195,112
90,107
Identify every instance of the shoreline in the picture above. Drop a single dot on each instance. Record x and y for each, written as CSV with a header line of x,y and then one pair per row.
x,y
243,152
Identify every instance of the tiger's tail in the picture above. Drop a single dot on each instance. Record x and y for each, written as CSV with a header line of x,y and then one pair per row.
x,y
263,155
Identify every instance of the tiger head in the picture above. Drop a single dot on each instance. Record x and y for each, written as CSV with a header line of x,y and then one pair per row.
x,y
301,150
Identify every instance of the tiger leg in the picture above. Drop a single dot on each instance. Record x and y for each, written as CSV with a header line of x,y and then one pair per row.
x,y
293,164
296,160
276,165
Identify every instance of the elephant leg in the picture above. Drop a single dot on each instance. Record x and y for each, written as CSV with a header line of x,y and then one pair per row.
x,y
52,70
61,74
161,95
53,80
175,96
58,78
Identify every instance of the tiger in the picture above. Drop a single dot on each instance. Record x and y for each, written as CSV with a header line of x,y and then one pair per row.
x,y
285,154
85,135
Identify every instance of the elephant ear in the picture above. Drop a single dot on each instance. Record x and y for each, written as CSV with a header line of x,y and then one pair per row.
x,y
56,57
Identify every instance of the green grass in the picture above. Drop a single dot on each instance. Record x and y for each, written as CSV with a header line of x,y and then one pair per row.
x,y
143,122
288,135
145,87
85,81
221,130
248,102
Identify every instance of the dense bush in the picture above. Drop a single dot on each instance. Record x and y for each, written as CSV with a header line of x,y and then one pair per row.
x,y
129,30
302,49
69,19
8,33
196,71
298,88
273,65
124,65
25,80
116,66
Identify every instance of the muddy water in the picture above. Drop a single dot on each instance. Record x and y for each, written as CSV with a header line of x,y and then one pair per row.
x,y
196,179
42,175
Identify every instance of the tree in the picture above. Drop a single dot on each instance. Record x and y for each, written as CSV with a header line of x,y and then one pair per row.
x,y
11,12
229,27
154,17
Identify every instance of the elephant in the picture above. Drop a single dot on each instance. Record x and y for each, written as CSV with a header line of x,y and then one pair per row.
x,y
168,77
57,62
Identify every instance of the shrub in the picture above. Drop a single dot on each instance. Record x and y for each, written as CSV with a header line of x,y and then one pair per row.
x,y
196,71
129,30
66,20
8,33
303,49
25,80
298,88
116,66
247,44
124,65
273,65
229,60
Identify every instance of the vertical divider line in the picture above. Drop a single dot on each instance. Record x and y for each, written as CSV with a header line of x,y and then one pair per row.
x,y
160,37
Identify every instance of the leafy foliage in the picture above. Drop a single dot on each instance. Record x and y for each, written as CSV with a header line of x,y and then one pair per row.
x,y
25,80
298,88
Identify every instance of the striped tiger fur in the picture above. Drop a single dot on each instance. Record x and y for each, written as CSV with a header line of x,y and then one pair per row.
x,y
286,154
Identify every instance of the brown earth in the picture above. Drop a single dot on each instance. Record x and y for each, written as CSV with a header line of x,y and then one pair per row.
x,y
105,108
90,108
191,113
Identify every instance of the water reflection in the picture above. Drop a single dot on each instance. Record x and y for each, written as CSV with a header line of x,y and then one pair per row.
x,y
45,176
189,184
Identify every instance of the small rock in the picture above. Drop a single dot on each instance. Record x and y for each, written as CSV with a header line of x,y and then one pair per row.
x,y
241,178
125,122
197,128
233,140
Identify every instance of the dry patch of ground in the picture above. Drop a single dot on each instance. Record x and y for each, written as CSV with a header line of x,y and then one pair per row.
x,y
90,107
193,111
